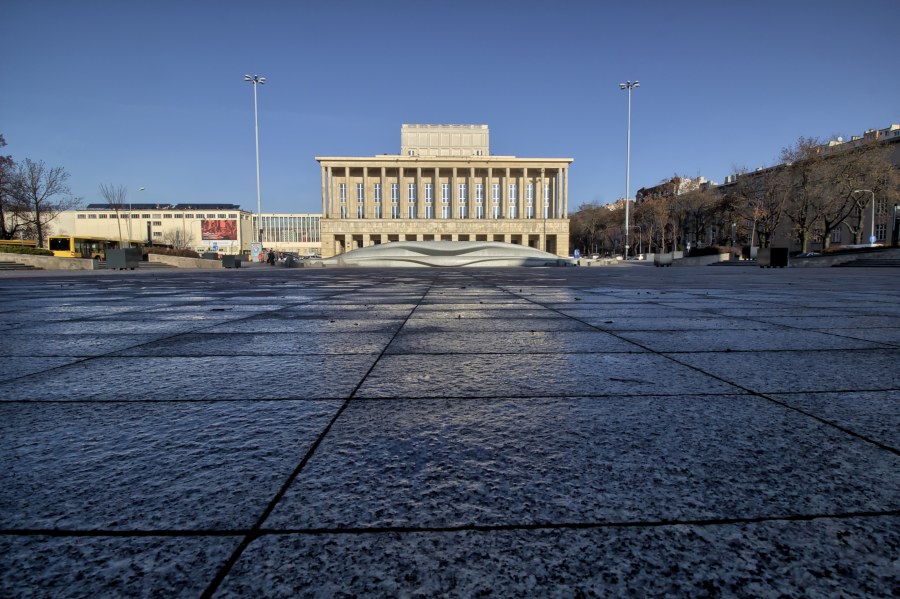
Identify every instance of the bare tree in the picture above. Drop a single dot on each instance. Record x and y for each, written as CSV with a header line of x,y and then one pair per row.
x,y
800,178
866,167
115,197
38,187
13,223
760,198
588,226
654,216
178,239
697,207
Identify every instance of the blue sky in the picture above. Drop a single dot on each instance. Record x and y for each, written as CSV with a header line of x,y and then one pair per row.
x,y
152,94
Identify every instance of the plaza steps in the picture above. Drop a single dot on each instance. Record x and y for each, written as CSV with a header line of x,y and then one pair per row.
x,y
873,262
142,266
735,263
9,265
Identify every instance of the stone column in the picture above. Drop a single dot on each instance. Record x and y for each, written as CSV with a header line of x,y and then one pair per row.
x,y
368,206
542,214
520,211
420,201
489,194
556,193
436,194
471,189
335,201
383,187
454,195
504,196
325,211
401,205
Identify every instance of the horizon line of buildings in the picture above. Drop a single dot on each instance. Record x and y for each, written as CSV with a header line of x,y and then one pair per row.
x,y
443,185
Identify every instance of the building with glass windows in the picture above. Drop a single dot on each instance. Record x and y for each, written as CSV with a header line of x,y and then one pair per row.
x,y
444,185
222,228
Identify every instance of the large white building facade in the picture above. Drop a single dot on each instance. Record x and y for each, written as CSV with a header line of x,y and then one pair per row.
x,y
444,185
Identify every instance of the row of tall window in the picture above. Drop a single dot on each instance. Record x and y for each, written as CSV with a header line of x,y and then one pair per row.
x,y
126,215
290,229
462,201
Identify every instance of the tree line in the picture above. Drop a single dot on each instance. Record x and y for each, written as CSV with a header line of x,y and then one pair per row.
x,y
32,195
813,191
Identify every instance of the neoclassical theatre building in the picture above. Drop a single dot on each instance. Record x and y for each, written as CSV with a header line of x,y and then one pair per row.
x,y
444,185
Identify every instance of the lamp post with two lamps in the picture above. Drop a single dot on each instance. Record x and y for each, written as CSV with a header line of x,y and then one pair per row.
x,y
256,80
629,85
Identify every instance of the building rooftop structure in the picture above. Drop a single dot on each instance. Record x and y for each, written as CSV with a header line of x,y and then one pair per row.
x,y
145,206
445,140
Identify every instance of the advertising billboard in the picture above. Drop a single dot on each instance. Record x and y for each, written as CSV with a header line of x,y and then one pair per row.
x,y
218,230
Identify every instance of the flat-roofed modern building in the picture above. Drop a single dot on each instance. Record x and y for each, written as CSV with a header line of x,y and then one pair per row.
x,y
223,228
444,185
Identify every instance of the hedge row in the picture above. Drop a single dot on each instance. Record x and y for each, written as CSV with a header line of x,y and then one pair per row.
x,y
17,249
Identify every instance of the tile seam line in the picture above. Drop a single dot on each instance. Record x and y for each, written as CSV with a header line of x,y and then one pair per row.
x,y
588,396
571,525
758,394
253,533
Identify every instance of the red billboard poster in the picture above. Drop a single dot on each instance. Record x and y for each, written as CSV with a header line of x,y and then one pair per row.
x,y
218,230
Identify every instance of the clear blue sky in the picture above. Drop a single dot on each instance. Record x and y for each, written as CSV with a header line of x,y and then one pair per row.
x,y
152,95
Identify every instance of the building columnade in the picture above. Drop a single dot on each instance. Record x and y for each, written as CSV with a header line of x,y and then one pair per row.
x,y
444,185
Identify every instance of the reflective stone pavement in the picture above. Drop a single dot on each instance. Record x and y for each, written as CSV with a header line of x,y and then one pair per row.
x,y
414,432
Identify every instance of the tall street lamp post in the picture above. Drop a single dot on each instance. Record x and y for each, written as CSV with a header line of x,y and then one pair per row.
x,y
256,80
629,85
871,224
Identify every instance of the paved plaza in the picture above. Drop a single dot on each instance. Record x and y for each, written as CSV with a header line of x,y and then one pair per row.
x,y
620,431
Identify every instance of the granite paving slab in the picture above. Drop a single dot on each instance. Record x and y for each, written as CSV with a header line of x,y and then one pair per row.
x,y
515,452
847,321
874,415
793,371
505,375
91,567
440,463
645,311
848,557
889,336
767,339
144,326
26,343
463,325
697,322
191,378
296,323
140,466
510,342
15,367
293,346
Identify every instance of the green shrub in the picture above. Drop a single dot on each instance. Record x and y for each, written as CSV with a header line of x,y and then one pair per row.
x,y
17,249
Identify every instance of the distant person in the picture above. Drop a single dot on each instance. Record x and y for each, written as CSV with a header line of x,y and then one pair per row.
x,y
271,258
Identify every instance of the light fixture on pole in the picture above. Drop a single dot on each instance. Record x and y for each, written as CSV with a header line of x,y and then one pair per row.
x,y
872,224
629,85
256,79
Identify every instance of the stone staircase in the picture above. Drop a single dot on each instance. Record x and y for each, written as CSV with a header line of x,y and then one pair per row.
x,y
9,265
736,263
873,262
142,266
